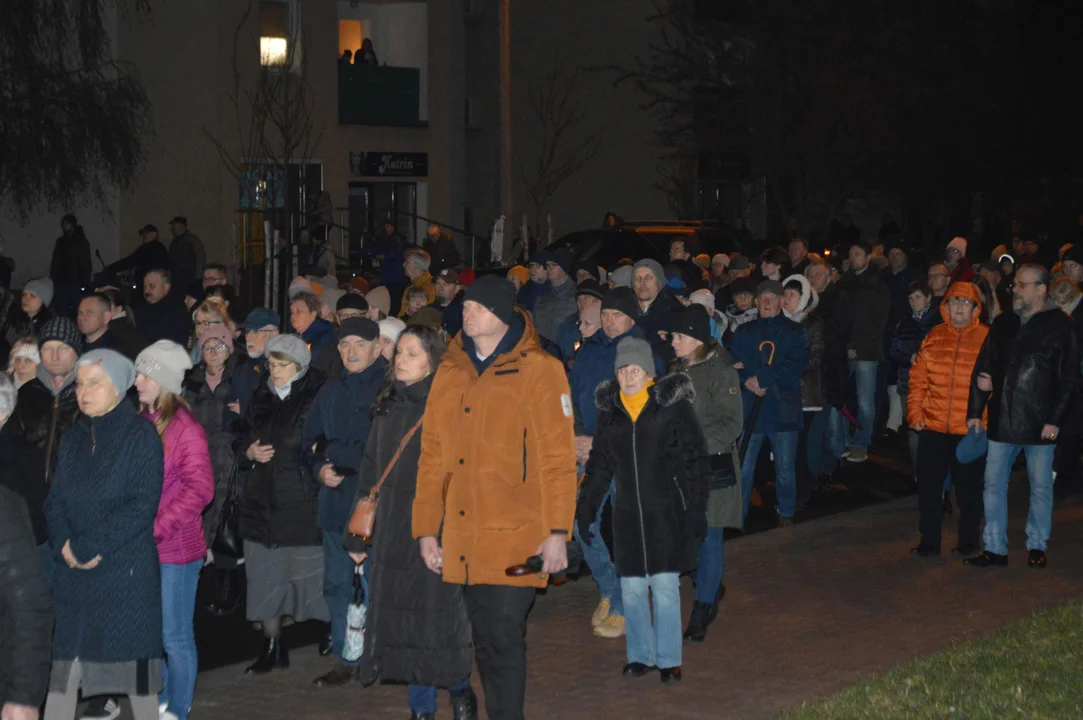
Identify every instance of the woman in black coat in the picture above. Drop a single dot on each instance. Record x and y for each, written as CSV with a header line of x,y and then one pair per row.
x,y
416,630
283,547
649,440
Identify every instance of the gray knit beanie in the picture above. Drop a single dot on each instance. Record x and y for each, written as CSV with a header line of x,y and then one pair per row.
x,y
634,351
292,347
622,276
119,368
164,362
43,288
655,267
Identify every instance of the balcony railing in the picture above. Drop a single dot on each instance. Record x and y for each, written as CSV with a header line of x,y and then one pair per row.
x,y
378,95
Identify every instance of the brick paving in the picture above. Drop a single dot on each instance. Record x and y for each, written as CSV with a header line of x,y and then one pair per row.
x,y
809,611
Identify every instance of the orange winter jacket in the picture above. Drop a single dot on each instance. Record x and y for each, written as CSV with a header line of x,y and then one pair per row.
x,y
940,377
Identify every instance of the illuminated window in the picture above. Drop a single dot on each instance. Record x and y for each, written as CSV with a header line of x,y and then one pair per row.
x,y
274,33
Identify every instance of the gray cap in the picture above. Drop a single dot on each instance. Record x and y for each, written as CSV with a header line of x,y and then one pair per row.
x,y
622,276
292,347
634,351
655,267
119,368
769,286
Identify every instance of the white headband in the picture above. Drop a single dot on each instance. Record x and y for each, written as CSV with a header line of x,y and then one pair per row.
x,y
27,350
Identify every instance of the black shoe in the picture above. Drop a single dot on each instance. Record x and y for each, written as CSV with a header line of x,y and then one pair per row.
x,y
464,705
636,670
325,643
697,622
1036,559
785,522
227,596
964,550
925,551
274,656
671,675
713,612
424,716
987,559
339,675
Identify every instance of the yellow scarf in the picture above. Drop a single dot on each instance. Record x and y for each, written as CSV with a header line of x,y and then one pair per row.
x,y
635,403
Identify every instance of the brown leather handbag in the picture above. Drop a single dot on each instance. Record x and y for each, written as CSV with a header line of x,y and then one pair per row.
x,y
363,519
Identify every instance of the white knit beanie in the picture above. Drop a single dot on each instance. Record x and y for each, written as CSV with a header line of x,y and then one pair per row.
x,y
391,328
164,362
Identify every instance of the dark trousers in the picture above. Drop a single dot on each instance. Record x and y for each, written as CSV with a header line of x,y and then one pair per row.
x,y
498,617
936,458
1066,463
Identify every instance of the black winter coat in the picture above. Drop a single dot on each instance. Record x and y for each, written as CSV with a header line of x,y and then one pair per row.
x,y
209,408
22,325
121,336
658,317
71,263
417,630
26,612
108,483
278,505
1035,370
837,314
167,319
871,303
659,463
44,420
23,470
906,341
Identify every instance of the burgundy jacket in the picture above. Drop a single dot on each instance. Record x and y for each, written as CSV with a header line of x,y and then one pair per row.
x,y
187,489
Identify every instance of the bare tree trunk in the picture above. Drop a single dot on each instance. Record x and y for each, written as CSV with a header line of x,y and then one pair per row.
x,y
506,200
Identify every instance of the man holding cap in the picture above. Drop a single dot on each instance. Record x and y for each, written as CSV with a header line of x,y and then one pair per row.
x,y
449,300
496,482
771,375
341,417
260,326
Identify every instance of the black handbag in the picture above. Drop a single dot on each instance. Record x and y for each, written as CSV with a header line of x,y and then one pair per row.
x,y
227,536
721,472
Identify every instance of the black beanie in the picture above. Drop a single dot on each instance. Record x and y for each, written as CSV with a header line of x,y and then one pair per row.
x,y
692,321
62,329
496,294
361,327
590,287
350,301
623,299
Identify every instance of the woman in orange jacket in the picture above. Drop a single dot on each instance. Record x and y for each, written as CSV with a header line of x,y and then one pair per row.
x,y
937,409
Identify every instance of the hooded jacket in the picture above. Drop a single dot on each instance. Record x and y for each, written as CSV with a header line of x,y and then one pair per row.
x,y
735,318
497,473
187,489
812,397
939,388
1035,371
658,463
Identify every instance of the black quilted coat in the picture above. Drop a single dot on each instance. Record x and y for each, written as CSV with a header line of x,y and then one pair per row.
x,y
278,504
659,462
416,631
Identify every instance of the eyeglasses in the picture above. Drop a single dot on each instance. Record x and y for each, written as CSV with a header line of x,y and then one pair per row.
x,y
278,365
1019,283
630,371
204,324
217,347
962,301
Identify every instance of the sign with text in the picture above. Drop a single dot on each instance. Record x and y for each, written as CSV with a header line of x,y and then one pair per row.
x,y
384,164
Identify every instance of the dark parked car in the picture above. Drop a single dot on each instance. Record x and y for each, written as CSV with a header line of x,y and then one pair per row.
x,y
607,247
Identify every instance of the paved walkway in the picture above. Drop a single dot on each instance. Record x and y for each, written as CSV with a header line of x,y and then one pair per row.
x,y
809,611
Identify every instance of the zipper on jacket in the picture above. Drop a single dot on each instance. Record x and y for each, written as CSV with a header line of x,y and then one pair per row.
x,y
524,456
680,493
49,469
639,498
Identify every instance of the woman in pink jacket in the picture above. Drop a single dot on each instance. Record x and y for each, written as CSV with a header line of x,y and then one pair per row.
x,y
187,489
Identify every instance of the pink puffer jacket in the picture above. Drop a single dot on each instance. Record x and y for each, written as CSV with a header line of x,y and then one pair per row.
x,y
188,488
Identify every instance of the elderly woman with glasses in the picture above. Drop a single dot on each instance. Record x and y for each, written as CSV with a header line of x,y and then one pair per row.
x,y
211,313
283,546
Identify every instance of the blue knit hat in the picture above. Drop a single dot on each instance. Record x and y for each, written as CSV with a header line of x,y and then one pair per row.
x,y
119,368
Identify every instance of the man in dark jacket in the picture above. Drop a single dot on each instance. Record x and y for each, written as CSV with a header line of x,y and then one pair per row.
x,y
558,300
681,258
1026,377
837,315
26,615
539,282
442,249
341,418
186,255
71,267
587,294
868,294
150,255
449,299
260,326
772,353
161,314
96,324
655,306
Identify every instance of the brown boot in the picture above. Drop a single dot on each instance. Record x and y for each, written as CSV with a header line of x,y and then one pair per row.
x,y
340,675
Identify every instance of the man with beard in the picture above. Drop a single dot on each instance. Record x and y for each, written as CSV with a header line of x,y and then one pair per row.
x,y
260,326
162,314
449,300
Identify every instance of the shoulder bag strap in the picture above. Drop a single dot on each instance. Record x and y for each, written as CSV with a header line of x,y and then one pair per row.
x,y
395,457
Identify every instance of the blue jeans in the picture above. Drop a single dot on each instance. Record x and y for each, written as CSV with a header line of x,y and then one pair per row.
x,y
338,572
179,670
784,447
423,697
864,372
656,644
835,440
998,470
710,568
600,562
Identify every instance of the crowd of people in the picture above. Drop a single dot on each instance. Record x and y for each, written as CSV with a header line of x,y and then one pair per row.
x,y
440,463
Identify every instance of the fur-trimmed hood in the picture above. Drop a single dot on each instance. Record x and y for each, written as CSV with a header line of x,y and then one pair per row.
x,y
668,390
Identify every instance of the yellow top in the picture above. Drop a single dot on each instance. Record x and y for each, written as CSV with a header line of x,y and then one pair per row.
x,y
635,403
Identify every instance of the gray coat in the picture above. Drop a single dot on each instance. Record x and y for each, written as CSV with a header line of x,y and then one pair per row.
x,y
721,415
553,305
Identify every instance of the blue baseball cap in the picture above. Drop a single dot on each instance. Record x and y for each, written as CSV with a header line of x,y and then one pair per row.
x,y
260,318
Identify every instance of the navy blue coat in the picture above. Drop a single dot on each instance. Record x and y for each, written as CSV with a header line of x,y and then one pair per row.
x,y
594,365
780,410
567,336
529,294
104,500
245,380
342,414
453,315
906,341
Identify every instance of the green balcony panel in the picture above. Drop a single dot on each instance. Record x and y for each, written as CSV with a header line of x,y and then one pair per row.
x,y
378,95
